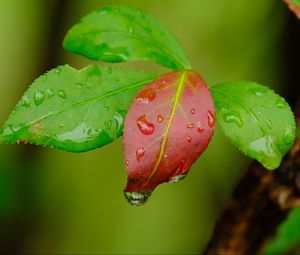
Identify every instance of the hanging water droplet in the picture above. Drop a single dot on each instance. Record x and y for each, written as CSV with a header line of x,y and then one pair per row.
x,y
108,125
39,97
140,153
281,103
177,178
200,128
137,198
189,139
61,93
233,117
258,91
190,125
211,119
193,111
160,118
50,93
25,102
127,162
146,127
146,96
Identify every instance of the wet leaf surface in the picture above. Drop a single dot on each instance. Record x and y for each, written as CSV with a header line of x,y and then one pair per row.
x,y
168,126
75,110
256,120
119,34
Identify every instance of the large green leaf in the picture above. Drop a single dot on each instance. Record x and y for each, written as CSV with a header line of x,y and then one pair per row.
x,y
75,110
120,34
255,119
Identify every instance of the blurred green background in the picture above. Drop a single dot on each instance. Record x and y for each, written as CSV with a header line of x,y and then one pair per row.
x,y
57,202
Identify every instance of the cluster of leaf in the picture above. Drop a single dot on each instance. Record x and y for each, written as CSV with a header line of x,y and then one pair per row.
x,y
171,116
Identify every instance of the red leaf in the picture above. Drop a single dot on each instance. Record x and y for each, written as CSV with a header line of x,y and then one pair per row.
x,y
293,7
168,126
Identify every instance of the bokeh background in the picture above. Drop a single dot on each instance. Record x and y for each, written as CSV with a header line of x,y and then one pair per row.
x,y
57,202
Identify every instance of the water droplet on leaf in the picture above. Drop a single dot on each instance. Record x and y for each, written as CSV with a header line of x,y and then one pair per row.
x,y
233,117
108,125
61,93
57,71
137,198
146,127
193,111
177,178
146,96
39,97
200,128
258,91
189,139
160,118
190,125
140,153
79,85
116,78
281,103
25,102
50,93
211,119
127,162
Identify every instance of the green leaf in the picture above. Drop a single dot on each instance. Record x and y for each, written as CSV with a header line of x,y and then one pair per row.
x,y
75,110
287,236
256,120
119,34
296,2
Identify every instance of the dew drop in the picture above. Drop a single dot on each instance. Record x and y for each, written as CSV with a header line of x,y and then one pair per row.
x,y
146,127
258,91
25,102
127,162
140,153
50,93
79,85
137,198
160,118
190,125
288,136
57,71
200,128
61,93
39,97
211,119
146,96
189,139
233,117
177,178
193,111
108,125
281,103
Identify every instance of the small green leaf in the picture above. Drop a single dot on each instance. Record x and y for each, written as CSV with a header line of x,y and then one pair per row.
x,y
119,34
256,120
75,110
